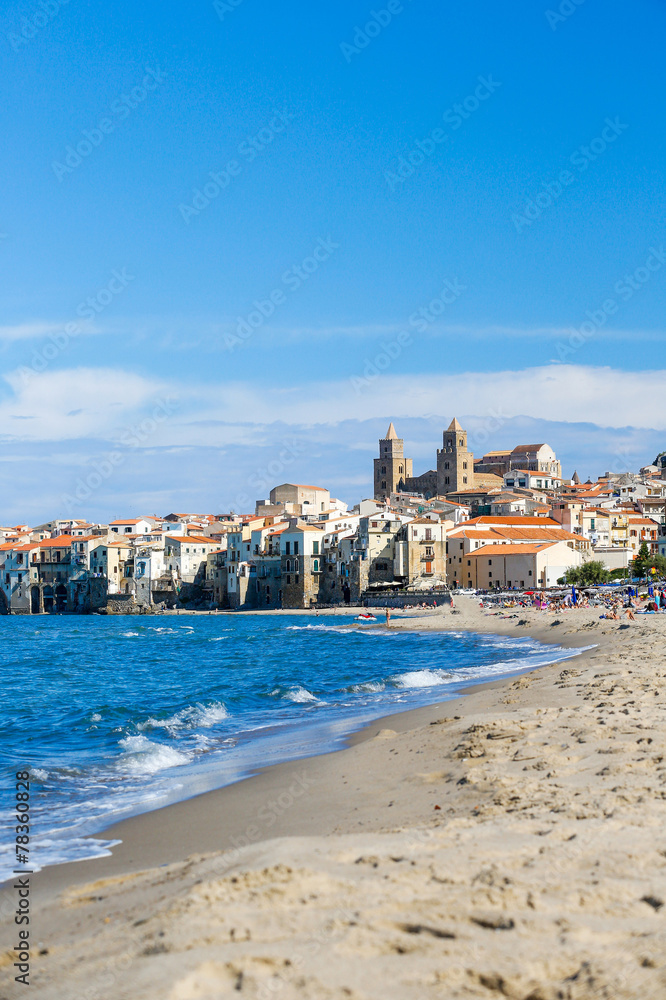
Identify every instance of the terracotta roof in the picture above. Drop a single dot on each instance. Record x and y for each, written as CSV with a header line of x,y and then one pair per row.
x,y
521,449
61,542
524,521
129,520
191,538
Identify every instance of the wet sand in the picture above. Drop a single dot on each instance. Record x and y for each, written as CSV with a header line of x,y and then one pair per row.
x,y
511,842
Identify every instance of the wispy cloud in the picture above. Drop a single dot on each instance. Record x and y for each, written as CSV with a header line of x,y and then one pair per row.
x,y
95,402
75,403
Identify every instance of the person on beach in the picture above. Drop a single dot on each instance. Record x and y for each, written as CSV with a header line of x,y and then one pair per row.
x,y
388,618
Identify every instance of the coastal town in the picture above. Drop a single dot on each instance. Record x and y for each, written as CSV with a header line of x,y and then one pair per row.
x,y
507,520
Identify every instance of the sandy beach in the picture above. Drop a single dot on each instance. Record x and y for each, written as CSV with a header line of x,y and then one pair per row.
x,y
509,843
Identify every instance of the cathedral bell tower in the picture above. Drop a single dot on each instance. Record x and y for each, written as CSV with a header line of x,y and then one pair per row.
x,y
455,464
391,468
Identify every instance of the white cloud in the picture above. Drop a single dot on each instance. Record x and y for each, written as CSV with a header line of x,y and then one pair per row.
x,y
75,403
100,403
566,393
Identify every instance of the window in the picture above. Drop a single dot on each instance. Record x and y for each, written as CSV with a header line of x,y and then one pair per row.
x,y
287,548
461,443
296,579
490,572
446,480
464,479
469,562
428,534
399,468
529,572
295,548
383,470
315,548
490,562
383,484
315,566
464,465
288,579
446,465
429,550
128,531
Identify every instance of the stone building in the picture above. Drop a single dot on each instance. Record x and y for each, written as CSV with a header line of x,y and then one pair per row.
x,y
297,498
527,457
455,463
302,564
392,469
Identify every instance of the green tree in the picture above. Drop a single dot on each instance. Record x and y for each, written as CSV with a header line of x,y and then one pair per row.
x,y
590,574
644,562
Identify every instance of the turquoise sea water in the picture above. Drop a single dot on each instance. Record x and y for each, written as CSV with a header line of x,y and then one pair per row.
x,y
117,715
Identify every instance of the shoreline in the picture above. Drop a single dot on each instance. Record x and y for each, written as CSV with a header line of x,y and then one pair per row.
x,y
140,827
442,789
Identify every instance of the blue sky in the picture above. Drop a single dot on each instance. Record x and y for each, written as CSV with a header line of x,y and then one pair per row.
x,y
415,212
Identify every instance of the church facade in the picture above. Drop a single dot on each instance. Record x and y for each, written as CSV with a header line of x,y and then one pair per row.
x,y
456,471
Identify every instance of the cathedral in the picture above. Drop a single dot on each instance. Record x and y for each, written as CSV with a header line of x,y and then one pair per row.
x,y
456,471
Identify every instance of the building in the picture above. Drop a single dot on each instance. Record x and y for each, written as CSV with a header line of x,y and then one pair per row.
x,y
523,566
530,457
305,499
131,526
489,532
420,552
527,479
15,579
391,469
455,463
301,547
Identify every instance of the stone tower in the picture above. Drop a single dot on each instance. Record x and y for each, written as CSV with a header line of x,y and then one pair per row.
x,y
455,464
391,468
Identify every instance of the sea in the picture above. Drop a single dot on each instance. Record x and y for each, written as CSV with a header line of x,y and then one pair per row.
x,y
115,716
